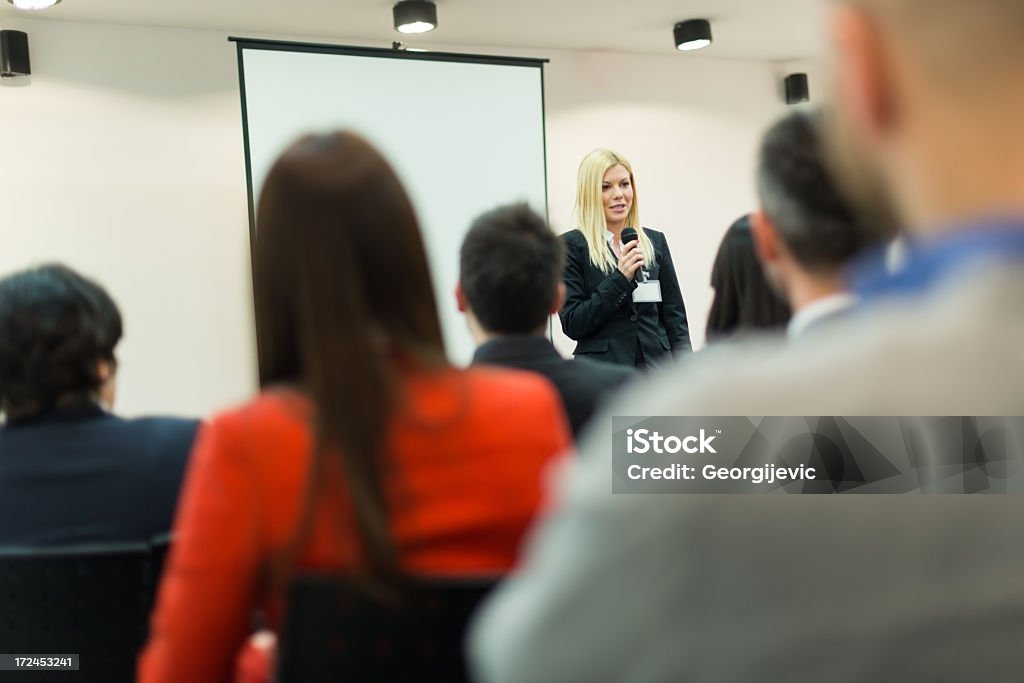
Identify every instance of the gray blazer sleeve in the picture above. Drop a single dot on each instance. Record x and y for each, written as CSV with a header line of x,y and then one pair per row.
x,y
580,612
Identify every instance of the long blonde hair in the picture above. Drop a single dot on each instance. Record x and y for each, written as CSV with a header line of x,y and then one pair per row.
x,y
590,209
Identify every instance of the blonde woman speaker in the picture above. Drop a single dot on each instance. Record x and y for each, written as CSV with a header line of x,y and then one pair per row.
x,y
623,303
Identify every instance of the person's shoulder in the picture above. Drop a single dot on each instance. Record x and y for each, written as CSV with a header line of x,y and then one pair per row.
x,y
574,238
269,424
510,391
274,411
490,381
516,412
603,373
656,236
162,425
159,435
154,448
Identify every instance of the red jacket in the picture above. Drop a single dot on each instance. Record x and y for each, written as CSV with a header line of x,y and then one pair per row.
x,y
466,453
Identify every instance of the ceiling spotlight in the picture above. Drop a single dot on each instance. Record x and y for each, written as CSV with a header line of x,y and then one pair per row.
x,y
33,4
415,16
692,35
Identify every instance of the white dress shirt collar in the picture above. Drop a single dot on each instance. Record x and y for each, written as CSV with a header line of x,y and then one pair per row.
x,y
816,310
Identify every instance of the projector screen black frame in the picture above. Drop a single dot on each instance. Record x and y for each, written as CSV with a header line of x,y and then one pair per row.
x,y
352,50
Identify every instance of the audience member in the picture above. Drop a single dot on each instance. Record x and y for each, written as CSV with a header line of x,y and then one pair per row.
x,y
366,454
744,302
806,232
510,283
811,588
71,471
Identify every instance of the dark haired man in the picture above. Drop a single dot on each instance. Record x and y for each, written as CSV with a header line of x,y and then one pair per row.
x,y
509,285
70,471
805,233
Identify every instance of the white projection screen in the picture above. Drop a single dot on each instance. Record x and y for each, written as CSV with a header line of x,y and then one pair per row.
x,y
464,132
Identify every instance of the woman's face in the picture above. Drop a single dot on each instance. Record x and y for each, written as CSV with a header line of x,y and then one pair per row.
x,y
617,195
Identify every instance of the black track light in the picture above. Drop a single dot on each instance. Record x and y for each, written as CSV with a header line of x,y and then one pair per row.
x,y
694,34
415,16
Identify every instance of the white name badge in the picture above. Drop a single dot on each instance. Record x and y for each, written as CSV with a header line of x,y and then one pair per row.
x,y
647,292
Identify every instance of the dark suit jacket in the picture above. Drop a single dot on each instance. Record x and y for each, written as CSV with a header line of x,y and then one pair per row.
x,y
582,384
81,475
600,315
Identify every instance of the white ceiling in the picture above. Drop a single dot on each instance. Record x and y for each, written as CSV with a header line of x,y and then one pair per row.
x,y
779,30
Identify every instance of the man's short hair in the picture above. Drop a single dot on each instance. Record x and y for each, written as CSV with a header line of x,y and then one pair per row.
x,y
799,196
55,327
510,268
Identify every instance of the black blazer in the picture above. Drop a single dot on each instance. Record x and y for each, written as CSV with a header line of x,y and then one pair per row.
x,y
600,315
582,384
81,475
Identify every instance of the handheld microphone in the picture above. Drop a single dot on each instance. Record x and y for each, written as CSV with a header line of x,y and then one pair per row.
x,y
629,235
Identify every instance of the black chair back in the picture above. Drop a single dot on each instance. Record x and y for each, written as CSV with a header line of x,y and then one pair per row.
x,y
93,601
334,632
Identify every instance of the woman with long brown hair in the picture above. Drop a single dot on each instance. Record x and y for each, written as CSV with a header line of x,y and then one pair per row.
x,y
365,452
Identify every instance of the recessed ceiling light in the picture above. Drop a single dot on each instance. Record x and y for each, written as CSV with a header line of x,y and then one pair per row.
x,y
692,35
415,16
33,4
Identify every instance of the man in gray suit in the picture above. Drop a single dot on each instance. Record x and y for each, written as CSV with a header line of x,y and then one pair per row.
x,y
827,588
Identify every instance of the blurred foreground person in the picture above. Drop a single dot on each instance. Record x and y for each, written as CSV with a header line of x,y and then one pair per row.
x,y
366,454
841,588
71,471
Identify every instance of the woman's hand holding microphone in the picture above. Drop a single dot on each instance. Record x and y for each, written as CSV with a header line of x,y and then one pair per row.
x,y
631,258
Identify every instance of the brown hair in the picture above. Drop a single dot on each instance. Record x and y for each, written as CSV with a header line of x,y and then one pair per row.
x,y
342,292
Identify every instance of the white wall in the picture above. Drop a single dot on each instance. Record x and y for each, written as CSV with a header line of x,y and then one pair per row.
x,y
123,157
